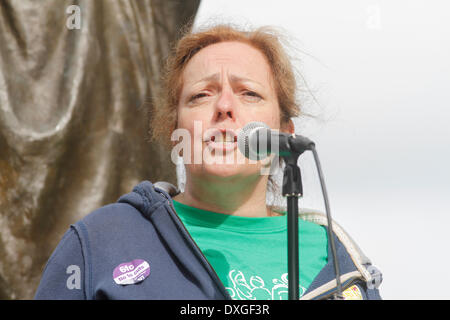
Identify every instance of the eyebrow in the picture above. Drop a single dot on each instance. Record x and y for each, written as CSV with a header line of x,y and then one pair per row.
x,y
233,78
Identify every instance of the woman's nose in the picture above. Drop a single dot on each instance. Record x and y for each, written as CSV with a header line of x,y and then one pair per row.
x,y
225,106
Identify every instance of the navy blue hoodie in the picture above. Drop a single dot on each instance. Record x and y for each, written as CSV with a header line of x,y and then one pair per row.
x,y
137,248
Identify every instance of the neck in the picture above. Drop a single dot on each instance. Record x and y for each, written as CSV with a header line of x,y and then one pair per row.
x,y
230,195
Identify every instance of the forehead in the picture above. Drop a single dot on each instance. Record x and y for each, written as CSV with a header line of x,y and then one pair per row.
x,y
234,58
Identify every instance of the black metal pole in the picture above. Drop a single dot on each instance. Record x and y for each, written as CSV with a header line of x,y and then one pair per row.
x,y
293,147
293,253
292,190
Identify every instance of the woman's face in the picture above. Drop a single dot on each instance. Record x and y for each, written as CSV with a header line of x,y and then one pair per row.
x,y
225,86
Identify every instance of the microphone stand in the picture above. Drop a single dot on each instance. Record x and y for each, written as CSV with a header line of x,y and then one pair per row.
x,y
292,190
290,147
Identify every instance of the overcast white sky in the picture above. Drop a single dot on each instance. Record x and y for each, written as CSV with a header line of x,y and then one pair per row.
x,y
380,74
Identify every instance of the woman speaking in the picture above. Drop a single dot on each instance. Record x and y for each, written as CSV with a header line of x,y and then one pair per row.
x,y
218,239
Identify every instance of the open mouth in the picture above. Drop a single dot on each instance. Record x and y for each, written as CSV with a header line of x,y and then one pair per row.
x,y
222,139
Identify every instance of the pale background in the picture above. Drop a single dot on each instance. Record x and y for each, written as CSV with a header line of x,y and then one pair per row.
x,y
380,75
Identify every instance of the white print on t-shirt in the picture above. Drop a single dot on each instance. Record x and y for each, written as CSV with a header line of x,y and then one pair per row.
x,y
256,289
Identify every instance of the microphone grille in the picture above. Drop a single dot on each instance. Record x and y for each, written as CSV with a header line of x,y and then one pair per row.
x,y
243,137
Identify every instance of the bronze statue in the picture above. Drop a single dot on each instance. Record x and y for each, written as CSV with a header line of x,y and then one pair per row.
x,y
76,81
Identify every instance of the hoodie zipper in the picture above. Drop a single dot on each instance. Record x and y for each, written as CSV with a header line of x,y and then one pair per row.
x,y
215,278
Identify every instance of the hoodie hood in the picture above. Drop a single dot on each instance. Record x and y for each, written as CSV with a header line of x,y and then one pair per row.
x,y
146,197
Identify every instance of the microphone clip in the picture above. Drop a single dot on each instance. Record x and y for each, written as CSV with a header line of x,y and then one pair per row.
x,y
292,178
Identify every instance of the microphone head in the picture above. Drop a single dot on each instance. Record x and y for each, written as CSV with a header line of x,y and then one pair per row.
x,y
244,137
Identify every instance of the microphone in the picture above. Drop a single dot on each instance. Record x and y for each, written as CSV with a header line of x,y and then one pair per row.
x,y
256,141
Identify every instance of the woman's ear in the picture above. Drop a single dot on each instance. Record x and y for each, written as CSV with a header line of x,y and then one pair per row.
x,y
288,127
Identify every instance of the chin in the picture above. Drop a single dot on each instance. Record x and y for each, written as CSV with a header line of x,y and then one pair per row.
x,y
230,170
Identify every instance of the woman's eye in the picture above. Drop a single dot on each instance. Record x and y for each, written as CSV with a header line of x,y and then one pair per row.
x,y
197,96
252,95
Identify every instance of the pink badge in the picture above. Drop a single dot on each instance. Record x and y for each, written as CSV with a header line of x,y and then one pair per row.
x,y
131,272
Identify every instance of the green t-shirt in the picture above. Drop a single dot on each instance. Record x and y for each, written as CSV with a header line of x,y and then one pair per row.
x,y
250,254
